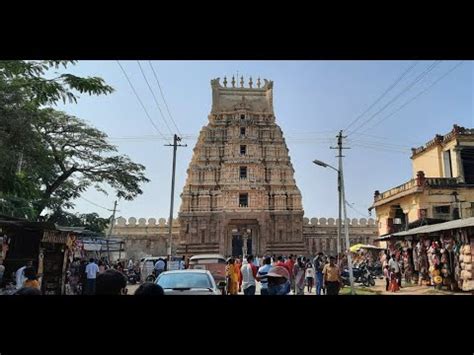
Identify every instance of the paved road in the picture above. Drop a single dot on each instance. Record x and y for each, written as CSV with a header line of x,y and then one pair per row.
x,y
133,288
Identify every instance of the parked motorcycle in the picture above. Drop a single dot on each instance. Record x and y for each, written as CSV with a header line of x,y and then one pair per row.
x,y
361,275
133,276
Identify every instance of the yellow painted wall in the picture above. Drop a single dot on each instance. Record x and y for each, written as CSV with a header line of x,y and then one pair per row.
x,y
430,161
426,200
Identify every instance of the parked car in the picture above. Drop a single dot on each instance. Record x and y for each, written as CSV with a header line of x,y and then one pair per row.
x,y
189,282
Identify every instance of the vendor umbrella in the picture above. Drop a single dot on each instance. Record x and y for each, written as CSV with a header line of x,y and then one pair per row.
x,y
356,247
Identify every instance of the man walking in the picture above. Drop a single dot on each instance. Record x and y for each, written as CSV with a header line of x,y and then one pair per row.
x,y
91,271
318,263
332,277
261,275
159,267
249,275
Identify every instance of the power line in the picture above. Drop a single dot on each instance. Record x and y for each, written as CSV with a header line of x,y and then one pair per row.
x,y
95,204
383,94
363,134
366,141
417,95
381,148
139,100
154,97
407,88
163,97
357,211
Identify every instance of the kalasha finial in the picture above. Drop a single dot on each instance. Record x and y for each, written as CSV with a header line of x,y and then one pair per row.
x,y
258,82
233,81
250,82
225,81
242,81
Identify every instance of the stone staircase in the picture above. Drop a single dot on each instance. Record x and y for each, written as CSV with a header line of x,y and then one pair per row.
x,y
286,248
198,248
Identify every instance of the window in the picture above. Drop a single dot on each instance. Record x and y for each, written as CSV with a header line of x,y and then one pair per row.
x,y
441,209
242,117
442,212
447,164
243,149
183,281
243,172
242,131
203,236
243,200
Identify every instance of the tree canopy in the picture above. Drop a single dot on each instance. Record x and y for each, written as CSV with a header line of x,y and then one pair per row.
x,y
49,158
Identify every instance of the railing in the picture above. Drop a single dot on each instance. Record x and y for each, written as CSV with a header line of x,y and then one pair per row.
x,y
396,190
441,181
433,182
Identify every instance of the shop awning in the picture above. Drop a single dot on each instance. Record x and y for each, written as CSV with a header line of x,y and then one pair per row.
x,y
456,224
384,237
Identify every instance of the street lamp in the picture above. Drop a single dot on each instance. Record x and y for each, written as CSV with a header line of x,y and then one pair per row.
x,y
342,198
339,228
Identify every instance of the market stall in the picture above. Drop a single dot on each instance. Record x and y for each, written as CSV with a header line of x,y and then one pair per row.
x,y
438,255
20,244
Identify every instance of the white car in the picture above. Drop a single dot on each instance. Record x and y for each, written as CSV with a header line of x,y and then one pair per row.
x,y
188,282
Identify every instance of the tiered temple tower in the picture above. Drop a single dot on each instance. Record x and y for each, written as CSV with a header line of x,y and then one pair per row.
x,y
240,195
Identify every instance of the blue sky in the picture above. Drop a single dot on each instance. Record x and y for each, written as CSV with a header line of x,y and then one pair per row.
x,y
312,101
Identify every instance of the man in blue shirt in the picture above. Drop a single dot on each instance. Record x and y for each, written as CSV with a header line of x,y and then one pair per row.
x,y
261,275
159,267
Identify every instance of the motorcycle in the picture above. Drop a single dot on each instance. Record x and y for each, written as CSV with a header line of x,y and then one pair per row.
x,y
133,276
153,276
361,275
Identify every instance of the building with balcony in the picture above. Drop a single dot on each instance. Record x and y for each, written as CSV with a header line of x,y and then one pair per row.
x,y
442,187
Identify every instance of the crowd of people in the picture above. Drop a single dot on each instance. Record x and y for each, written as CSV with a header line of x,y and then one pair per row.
x,y
95,277
280,275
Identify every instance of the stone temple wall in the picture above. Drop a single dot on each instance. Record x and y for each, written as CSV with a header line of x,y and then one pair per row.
x,y
150,237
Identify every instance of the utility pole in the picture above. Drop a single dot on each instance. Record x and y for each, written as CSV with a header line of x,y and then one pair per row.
x,y
342,201
175,146
339,188
346,229
110,229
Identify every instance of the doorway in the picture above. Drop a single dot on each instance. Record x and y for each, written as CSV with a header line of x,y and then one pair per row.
x,y
238,241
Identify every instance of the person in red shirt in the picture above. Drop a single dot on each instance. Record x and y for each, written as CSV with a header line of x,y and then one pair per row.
x,y
290,266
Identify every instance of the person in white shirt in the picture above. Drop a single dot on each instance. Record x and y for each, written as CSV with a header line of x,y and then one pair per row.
x,y
20,275
310,273
91,271
249,275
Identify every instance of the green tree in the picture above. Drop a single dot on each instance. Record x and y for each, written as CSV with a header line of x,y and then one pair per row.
x,y
49,157
91,221
78,156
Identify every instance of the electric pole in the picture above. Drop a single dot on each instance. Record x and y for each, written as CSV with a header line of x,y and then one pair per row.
x,y
342,201
339,189
175,146
111,228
